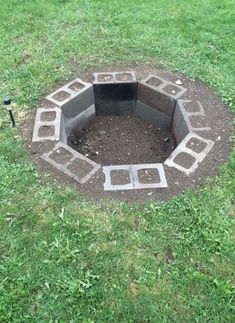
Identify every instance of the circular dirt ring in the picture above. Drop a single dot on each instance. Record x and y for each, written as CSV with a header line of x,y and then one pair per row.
x,y
130,133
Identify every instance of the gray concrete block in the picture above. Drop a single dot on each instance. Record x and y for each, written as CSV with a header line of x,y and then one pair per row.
x,y
114,77
157,118
181,124
114,86
52,124
66,157
156,99
134,179
196,114
193,155
164,86
115,107
68,92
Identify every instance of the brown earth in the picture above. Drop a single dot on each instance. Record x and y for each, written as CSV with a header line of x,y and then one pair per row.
x,y
118,140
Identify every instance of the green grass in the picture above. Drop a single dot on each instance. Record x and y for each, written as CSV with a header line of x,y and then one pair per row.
x,y
66,260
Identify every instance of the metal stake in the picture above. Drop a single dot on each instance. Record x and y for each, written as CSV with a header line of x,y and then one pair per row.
x,y
7,102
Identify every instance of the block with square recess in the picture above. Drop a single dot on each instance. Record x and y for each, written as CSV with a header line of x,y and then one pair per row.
x,y
71,163
47,124
114,77
185,158
134,180
78,111
68,92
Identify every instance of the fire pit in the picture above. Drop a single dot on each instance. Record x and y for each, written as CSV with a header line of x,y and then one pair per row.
x,y
131,131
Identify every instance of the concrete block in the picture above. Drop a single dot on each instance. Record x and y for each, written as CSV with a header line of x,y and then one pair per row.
x,y
68,92
165,87
114,77
200,113
157,118
190,158
47,124
133,175
181,124
115,107
71,163
113,90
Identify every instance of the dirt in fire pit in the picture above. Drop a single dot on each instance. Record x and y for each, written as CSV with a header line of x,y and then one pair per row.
x,y
116,140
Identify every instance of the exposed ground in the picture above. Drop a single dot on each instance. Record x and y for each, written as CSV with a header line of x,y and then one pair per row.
x,y
63,259
118,140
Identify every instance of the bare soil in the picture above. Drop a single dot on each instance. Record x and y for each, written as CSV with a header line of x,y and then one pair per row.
x,y
118,140
45,131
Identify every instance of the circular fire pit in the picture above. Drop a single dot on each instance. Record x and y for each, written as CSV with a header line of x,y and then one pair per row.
x,y
127,134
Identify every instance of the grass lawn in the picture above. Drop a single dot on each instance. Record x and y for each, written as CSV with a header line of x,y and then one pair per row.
x,y
66,260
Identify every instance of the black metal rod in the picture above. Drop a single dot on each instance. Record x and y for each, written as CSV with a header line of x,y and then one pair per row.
x,y
7,103
12,118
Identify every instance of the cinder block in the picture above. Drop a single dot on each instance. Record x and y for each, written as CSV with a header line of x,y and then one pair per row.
x,y
114,77
134,179
115,93
164,86
156,99
68,92
157,118
181,124
200,113
52,125
115,107
71,158
182,148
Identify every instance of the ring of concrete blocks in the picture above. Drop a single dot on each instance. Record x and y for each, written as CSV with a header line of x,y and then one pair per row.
x,y
154,99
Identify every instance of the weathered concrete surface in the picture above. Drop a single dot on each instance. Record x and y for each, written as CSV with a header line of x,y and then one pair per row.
x,y
164,86
114,77
197,157
113,95
54,123
61,148
134,180
68,90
